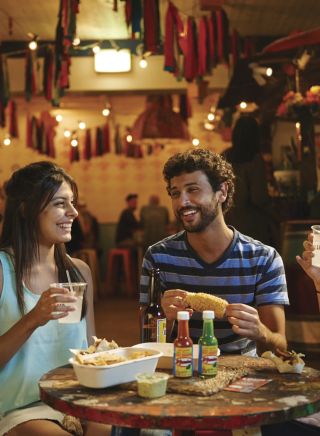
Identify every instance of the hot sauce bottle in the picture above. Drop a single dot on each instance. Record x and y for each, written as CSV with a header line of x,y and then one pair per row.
x,y
183,357
153,318
208,347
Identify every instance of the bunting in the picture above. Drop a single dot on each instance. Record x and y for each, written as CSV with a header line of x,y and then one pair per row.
x,y
87,145
13,123
48,73
4,88
151,18
30,75
191,58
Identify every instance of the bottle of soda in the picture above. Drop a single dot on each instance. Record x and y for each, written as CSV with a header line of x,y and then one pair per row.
x,y
208,347
153,317
183,352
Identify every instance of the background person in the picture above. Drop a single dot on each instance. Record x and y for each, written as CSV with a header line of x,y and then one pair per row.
x,y
40,209
209,256
252,213
128,223
154,220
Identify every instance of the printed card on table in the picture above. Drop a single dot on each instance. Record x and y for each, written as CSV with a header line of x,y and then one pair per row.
x,y
247,384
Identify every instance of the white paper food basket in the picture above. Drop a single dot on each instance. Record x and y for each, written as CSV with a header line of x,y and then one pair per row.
x,y
111,375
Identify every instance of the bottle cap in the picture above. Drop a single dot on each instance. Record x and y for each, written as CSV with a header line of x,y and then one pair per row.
x,y
183,315
208,314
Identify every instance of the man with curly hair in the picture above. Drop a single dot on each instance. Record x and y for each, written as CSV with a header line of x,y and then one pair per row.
x,y
210,256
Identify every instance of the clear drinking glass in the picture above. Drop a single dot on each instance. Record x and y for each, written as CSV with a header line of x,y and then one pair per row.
x,y
316,243
76,290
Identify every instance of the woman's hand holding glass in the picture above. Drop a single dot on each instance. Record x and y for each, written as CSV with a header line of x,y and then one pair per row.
x,y
53,304
305,261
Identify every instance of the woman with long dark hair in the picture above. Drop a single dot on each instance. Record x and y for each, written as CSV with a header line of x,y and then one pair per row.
x,y
40,209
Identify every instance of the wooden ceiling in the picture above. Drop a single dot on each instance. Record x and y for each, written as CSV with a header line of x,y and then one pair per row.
x,y
98,21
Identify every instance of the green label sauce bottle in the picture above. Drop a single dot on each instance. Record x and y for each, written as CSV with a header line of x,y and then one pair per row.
x,y
183,356
208,347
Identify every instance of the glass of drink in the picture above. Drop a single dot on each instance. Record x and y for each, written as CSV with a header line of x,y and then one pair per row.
x,y
316,243
76,290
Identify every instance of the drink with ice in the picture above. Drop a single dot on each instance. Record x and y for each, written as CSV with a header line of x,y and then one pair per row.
x,y
76,290
316,243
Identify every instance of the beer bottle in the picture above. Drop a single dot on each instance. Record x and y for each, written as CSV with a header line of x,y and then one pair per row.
x,y
183,348
208,347
153,317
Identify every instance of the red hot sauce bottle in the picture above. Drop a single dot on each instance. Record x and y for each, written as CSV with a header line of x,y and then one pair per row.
x,y
183,355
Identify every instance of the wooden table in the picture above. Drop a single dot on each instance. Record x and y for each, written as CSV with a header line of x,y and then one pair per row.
x,y
286,397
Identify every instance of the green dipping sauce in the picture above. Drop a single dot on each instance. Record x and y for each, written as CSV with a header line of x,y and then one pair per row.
x,y
152,385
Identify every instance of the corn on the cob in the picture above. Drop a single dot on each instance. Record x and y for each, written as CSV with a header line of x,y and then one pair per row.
x,y
201,301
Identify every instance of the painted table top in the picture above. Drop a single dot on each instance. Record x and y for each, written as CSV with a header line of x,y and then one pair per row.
x,y
286,397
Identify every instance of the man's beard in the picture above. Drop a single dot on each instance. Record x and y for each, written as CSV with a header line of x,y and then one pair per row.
x,y
207,216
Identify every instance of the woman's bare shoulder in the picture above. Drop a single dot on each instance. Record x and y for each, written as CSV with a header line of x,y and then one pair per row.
x,y
82,266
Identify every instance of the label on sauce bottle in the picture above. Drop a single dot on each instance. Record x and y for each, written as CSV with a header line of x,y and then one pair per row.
x,y
208,360
183,362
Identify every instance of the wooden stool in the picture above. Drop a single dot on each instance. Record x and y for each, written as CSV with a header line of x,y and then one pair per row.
x,y
89,256
124,254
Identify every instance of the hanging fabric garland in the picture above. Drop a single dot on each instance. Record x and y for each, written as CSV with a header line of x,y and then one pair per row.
x,y
151,16
99,142
118,141
65,33
13,124
87,145
74,154
172,50
190,59
4,88
48,73
30,76
202,46
106,138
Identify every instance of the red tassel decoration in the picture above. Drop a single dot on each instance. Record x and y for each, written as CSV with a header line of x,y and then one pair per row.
x,y
128,12
151,17
173,39
106,138
202,46
190,59
87,145
13,124
29,133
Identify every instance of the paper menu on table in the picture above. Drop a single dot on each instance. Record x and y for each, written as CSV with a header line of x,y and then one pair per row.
x,y
247,384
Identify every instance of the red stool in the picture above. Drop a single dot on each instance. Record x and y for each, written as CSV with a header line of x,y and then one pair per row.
x,y
124,254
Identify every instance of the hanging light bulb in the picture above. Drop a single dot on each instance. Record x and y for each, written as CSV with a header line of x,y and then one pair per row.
x,y
195,142
7,140
82,125
129,138
59,118
33,45
106,112
67,134
211,116
243,105
74,142
143,63
76,41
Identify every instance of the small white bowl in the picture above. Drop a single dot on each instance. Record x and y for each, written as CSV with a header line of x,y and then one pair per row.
x,y
152,385
103,376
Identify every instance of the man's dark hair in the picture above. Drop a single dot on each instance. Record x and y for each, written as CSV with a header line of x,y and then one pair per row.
x,y
212,164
